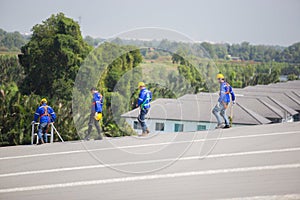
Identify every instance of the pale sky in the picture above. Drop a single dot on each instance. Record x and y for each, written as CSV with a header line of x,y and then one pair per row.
x,y
275,22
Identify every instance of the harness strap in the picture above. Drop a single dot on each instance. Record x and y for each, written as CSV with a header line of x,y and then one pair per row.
x,y
147,99
227,85
45,111
46,114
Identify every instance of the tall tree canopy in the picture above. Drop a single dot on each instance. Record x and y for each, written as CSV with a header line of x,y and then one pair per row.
x,y
52,57
291,54
11,41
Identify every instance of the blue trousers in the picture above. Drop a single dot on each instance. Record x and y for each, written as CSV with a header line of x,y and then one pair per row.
x,y
141,118
220,112
43,130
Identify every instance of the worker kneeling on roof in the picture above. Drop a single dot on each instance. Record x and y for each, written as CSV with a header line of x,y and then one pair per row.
x,y
224,99
47,116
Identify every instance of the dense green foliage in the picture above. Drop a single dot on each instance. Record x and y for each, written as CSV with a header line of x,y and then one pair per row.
x,y
112,68
50,61
244,74
11,41
17,109
49,64
92,41
244,51
290,54
52,57
243,64
11,70
190,73
238,74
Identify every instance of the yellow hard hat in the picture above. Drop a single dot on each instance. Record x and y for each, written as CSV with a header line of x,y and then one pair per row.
x,y
220,76
98,116
141,84
44,100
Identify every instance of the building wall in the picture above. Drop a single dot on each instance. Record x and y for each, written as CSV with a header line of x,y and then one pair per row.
x,y
170,125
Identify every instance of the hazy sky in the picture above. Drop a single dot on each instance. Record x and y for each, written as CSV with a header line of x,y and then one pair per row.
x,y
274,22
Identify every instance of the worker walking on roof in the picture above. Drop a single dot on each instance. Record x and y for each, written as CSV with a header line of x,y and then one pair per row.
x,y
96,113
145,97
47,116
224,99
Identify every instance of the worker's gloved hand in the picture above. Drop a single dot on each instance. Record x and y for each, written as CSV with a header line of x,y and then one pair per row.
x,y
33,122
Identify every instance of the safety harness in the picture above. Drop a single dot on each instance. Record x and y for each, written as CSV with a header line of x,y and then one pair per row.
x,y
228,88
147,99
45,111
46,114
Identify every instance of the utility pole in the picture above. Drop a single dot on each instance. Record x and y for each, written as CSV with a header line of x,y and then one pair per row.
x,y
79,20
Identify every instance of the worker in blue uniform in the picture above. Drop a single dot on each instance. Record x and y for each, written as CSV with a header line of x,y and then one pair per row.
x,y
144,99
46,115
96,113
224,99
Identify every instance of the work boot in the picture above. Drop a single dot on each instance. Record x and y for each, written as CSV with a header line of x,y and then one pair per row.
x,y
99,137
219,126
226,126
87,136
147,131
41,141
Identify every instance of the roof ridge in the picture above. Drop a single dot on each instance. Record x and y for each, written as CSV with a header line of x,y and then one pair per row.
x,y
281,105
252,114
292,91
293,99
270,107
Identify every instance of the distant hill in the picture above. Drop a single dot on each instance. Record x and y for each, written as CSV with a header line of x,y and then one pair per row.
x,y
244,51
13,41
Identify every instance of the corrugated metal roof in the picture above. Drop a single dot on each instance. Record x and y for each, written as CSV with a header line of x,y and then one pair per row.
x,y
196,109
254,105
281,98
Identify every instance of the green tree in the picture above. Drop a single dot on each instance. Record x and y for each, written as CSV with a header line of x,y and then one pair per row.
x,y
210,49
292,77
113,69
52,57
11,41
290,54
11,70
92,41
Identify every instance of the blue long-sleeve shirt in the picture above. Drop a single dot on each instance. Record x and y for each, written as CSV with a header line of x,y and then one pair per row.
x,y
97,102
145,97
45,116
225,93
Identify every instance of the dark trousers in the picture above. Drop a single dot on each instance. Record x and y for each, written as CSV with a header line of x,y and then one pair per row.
x,y
92,121
141,118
